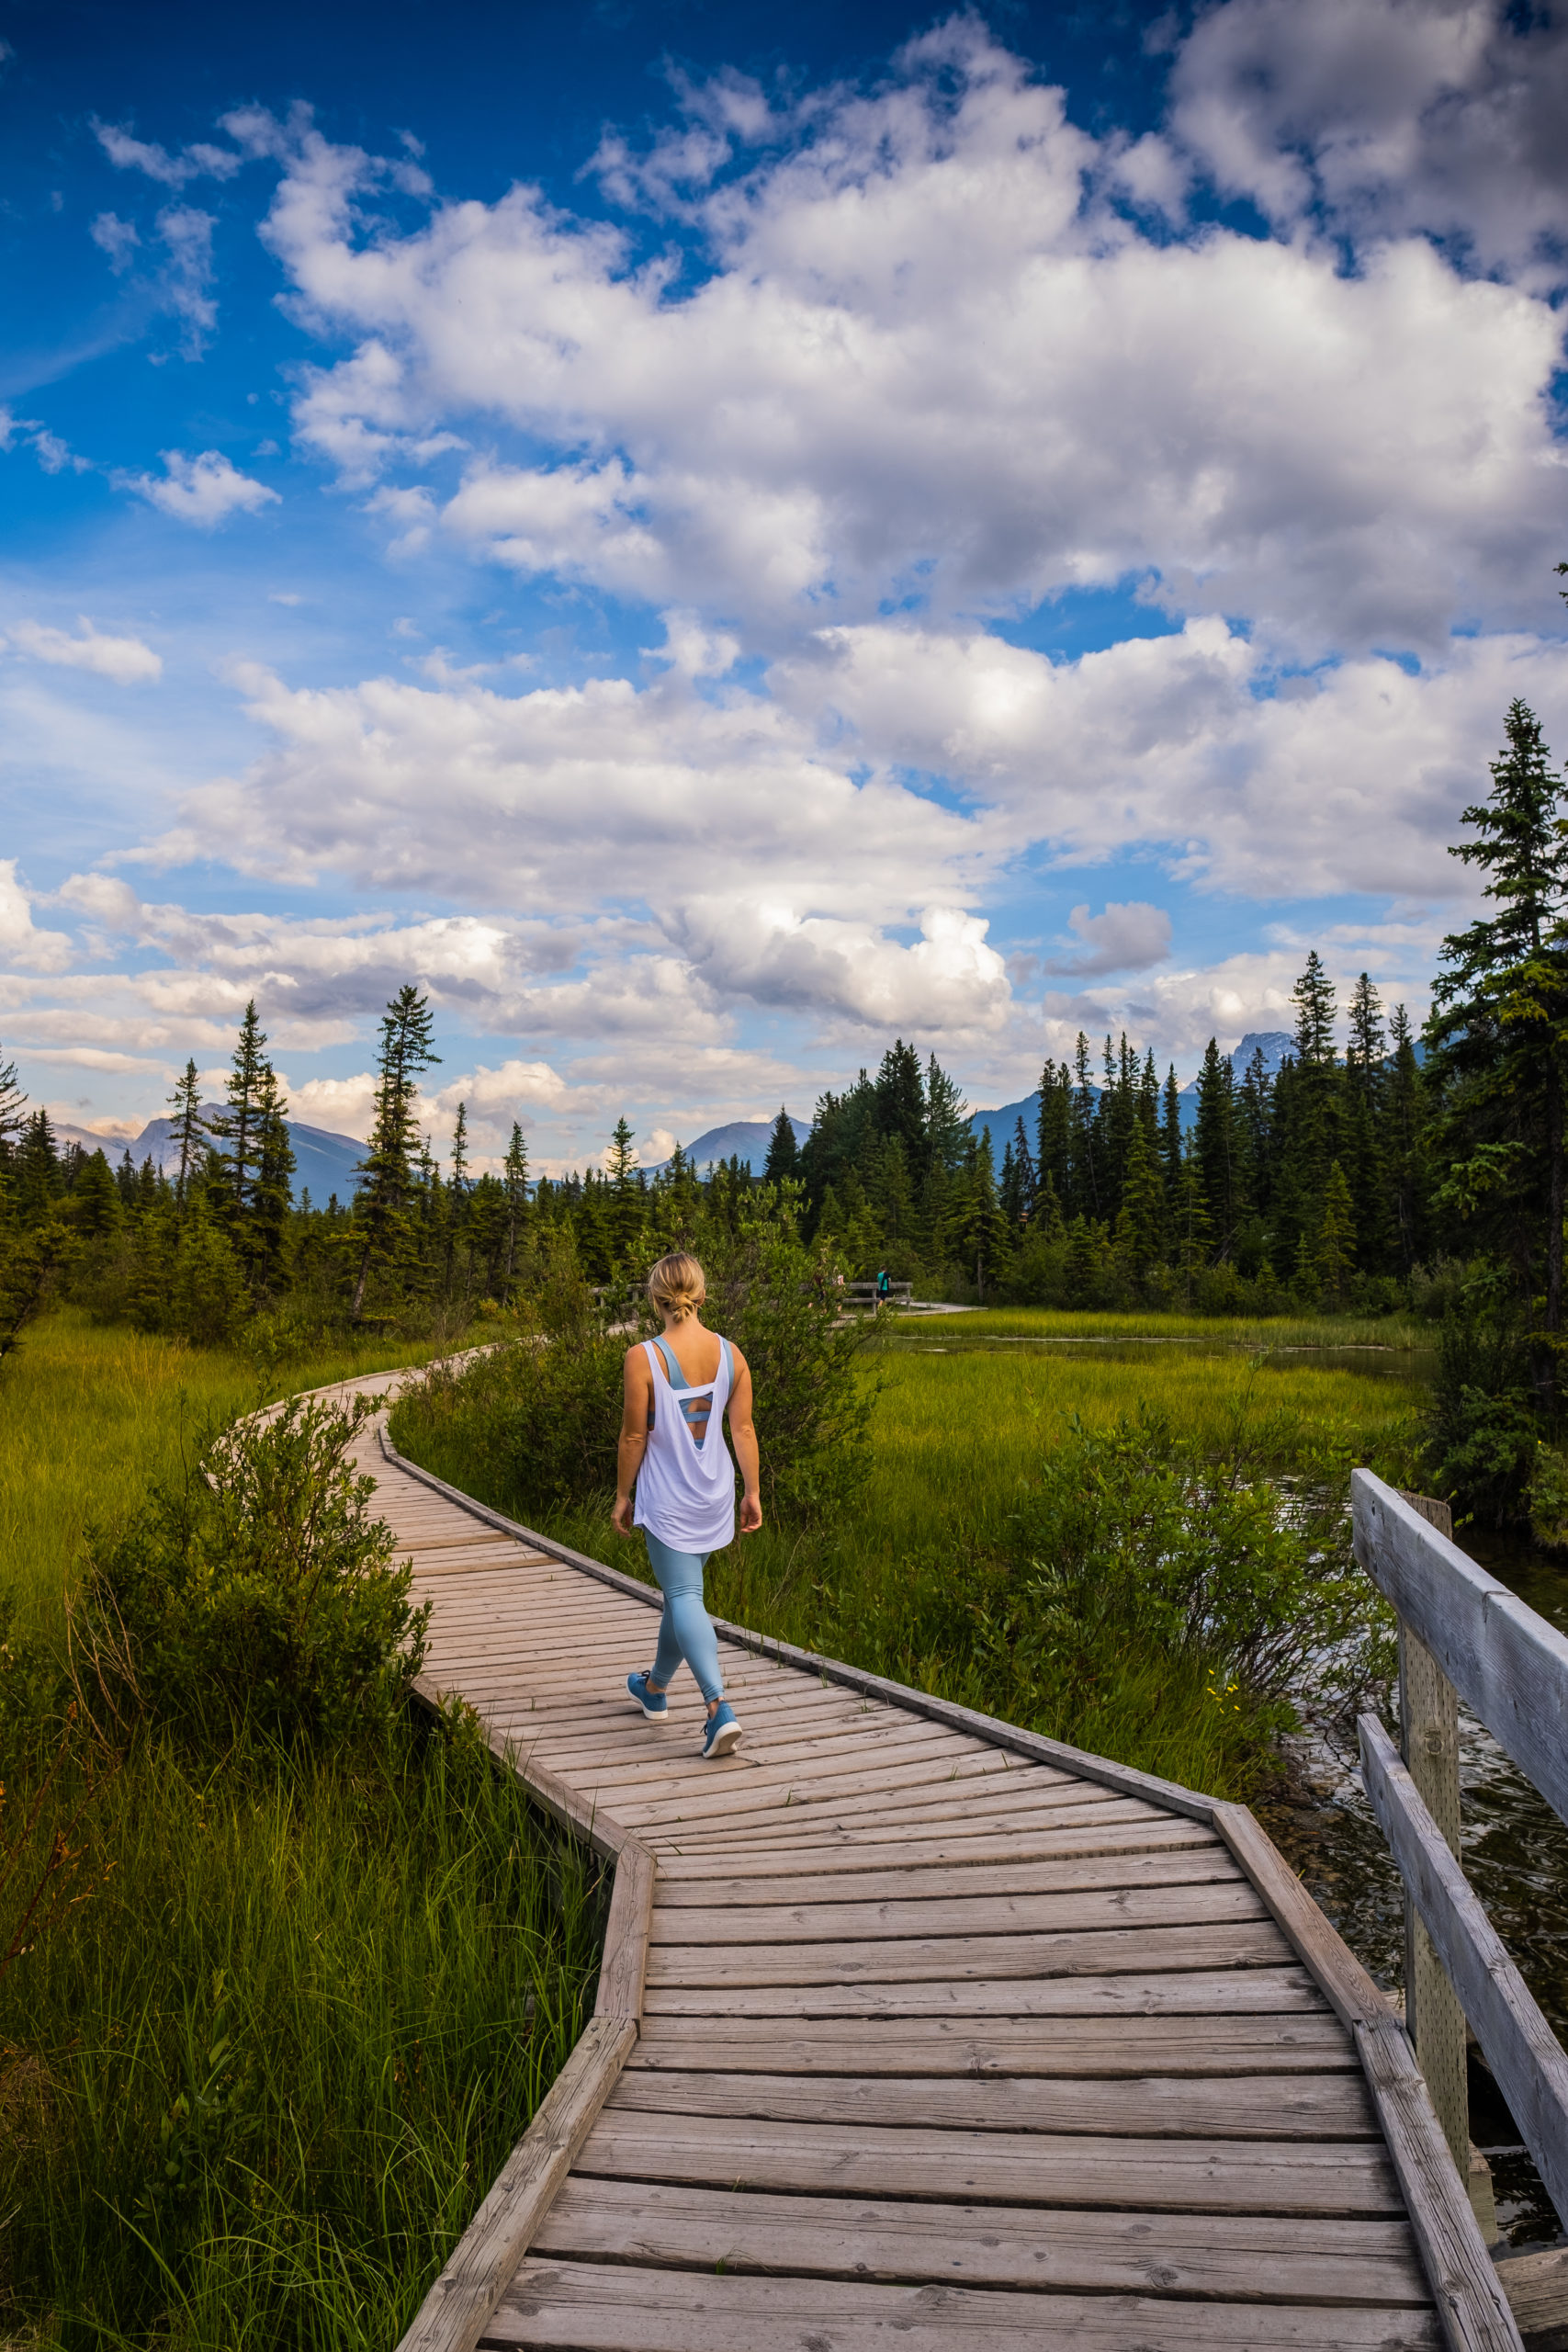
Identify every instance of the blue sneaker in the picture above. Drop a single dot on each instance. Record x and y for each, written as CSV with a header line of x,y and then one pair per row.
x,y
654,1703
723,1733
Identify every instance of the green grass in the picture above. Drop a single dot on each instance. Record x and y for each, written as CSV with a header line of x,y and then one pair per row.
x,y
256,2076
1339,1331
959,1430
89,1414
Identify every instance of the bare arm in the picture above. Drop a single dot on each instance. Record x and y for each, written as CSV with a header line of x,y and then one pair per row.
x,y
633,1446
743,1437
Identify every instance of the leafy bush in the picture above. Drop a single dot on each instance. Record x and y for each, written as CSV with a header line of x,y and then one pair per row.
x,y
260,1590
1133,1540
532,1428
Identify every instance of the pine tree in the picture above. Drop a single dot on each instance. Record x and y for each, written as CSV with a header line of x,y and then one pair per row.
x,y
1404,1146
783,1162
1497,1038
12,1116
191,1132
237,1126
1085,1195
272,1194
381,1204
1334,1259
624,1210
515,1179
1140,1225
458,1180
1053,1156
1193,1226
1170,1135
1213,1144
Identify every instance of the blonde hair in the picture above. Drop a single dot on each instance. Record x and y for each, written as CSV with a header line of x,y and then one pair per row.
x,y
677,1285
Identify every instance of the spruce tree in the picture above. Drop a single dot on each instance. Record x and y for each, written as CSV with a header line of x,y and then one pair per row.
x,y
191,1132
515,1175
272,1194
783,1162
381,1204
1171,1135
1140,1223
1213,1144
1334,1258
1053,1157
1497,1036
12,1118
237,1127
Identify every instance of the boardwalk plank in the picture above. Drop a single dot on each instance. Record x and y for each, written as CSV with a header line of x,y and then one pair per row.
x,y
1179,1901
1100,2047
1208,1862
1276,2260
1352,2179
1257,2107
966,1959
576,2307
1184,1992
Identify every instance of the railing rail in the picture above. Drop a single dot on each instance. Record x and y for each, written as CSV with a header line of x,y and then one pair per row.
x,y
1463,1634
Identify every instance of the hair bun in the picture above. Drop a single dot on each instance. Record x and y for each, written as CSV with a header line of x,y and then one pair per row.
x,y
677,1285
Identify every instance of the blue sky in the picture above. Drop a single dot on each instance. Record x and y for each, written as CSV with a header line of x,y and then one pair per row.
x,y
710,547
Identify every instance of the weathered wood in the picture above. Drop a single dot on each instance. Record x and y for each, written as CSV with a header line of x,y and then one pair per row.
x,y
968,1960
1471,2307
1181,1901
1108,1830
1204,1864
1428,1721
1521,2049
1183,1993
1258,2107
1280,2259
577,2307
623,1966
453,2316
1507,1664
1100,2048
1100,1769
1352,2179
1537,2288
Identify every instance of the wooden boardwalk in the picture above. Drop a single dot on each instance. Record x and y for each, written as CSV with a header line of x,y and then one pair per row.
x,y
917,2031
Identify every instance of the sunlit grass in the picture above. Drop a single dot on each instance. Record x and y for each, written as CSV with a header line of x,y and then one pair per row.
x,y
959,1430
89,1414
255,2081
1394,1331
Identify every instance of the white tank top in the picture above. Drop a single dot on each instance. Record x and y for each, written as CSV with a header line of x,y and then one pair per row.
x,y
685,1492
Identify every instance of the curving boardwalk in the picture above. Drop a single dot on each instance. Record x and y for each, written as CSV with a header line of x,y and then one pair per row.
x,y
917,2032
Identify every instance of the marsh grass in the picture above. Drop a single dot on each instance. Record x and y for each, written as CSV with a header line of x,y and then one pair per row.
x,y
259,2071
1254,1334
89,1415
906,1583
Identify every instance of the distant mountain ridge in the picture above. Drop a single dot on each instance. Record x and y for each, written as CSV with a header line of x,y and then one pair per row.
x,y
742,1139
324,1160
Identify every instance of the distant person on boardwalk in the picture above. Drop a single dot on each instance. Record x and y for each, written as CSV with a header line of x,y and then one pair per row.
x,y
678,1389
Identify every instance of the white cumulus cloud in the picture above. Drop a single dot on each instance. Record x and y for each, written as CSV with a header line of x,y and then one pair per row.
x,y
125,659
203,490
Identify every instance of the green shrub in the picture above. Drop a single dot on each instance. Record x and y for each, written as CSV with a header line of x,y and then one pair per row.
x,y
259,1590
1133,1540
532,1428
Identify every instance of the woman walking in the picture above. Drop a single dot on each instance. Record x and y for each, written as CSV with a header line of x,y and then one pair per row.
x,y
678,1389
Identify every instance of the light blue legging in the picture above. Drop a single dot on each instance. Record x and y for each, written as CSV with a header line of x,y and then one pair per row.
x,y
684,1629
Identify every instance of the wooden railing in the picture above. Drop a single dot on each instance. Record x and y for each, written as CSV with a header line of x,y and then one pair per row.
x,y
1463,1634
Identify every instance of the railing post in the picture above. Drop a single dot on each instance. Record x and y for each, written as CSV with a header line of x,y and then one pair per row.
x,y
1428,1732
